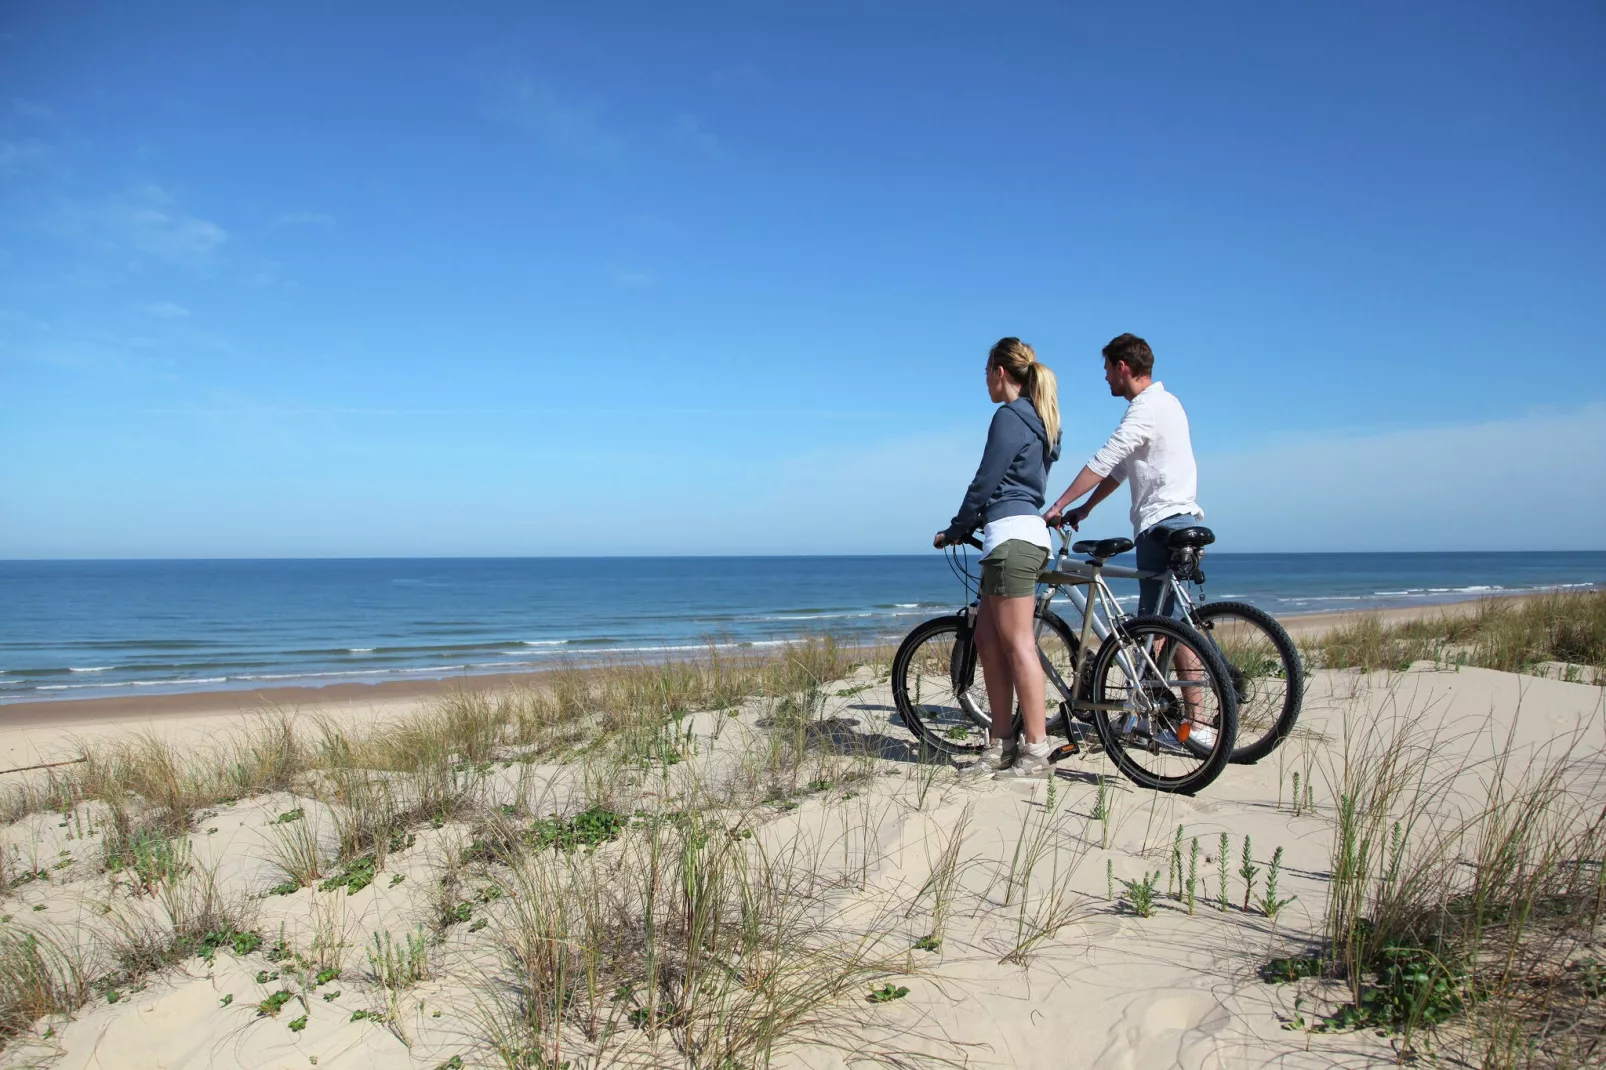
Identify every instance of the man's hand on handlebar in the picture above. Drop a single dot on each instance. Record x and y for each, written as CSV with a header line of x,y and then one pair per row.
x,y
1054,518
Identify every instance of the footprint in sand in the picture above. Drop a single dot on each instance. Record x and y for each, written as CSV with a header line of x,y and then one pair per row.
x,y
1173,1028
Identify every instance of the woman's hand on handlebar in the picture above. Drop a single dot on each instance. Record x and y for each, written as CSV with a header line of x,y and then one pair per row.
x,y
941,540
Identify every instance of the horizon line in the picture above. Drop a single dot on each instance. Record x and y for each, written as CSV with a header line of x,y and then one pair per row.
x,y
695,557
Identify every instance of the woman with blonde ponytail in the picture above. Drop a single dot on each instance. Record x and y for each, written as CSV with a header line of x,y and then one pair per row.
x,y
1005,500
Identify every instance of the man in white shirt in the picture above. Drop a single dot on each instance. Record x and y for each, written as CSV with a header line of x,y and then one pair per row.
x,y
1152,449
1154,452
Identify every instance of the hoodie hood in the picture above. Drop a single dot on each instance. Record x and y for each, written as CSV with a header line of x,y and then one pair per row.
x,y
1023,407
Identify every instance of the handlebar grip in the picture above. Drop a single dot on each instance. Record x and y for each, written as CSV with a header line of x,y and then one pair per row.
x,y
968,540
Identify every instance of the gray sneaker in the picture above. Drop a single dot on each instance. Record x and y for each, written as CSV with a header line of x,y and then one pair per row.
x,y
995,757
1027,766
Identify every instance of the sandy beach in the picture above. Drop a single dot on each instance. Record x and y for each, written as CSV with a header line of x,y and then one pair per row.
x,y
982,913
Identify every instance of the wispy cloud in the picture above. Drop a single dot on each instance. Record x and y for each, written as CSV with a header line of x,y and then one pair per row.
x,y
1531,481
302,219
564,125
28,155
1528,482
270,276
155,225
167,310
147,220
32,110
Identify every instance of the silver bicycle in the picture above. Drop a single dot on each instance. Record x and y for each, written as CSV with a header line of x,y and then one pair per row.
x,y
1157,694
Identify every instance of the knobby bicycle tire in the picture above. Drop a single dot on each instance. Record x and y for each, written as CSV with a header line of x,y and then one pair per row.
x,y
1256,737
1118,746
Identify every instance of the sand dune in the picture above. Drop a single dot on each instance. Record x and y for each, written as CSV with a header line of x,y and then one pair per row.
x,y
1036,967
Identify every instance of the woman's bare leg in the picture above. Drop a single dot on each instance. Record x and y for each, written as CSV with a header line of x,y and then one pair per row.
x,y
1013,620
996,664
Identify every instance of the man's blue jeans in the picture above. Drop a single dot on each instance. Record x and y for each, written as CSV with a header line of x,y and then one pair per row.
x,y
1154,556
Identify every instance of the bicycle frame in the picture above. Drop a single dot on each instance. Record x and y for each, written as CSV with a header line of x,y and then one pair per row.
x,y
1079,600
1098,608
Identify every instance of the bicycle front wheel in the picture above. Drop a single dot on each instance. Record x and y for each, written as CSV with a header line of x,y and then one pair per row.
x,y
936,675
1268,678
1177,719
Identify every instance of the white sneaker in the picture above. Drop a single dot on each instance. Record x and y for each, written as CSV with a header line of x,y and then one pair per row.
x,y
1135,724
994,758
1199,736
1031,761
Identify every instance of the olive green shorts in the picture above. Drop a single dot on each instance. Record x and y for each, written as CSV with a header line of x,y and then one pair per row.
x,y
1010,571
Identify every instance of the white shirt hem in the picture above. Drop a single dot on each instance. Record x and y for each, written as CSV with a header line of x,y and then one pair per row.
x,y
1028,527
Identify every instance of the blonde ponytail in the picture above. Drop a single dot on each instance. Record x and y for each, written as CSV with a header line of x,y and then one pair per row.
x,y
1019,360
1045,393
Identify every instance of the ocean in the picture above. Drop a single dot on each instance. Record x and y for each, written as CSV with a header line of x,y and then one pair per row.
x,y
81,629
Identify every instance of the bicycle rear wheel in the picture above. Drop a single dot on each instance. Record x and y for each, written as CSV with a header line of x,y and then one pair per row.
x,y
935,675
1174,688
1267,675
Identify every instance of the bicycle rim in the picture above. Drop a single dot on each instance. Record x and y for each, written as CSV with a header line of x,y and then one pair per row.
x,y
1173,687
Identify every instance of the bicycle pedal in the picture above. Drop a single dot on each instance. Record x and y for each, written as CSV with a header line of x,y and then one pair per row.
x,y
1063,751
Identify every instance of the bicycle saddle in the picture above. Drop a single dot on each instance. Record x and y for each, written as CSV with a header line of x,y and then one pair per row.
x,y
1194,535
1099,549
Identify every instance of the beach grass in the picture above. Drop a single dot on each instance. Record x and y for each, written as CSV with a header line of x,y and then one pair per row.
x,y
1466,894
731,948
686,864
1563,631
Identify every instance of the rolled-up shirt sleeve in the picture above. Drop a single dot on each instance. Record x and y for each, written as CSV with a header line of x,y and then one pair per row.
x,y
1136,428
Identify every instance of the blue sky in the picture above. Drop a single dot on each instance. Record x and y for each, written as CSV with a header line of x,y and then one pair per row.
x,y
495,279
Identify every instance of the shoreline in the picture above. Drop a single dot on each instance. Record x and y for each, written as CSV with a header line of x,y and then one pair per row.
x,y
88,712
1305,625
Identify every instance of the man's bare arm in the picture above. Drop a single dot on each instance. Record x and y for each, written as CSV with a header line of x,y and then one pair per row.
x,y
1105,488
1085,481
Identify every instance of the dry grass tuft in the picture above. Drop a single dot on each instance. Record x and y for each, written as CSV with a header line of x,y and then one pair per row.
x,y
38,976
683,936
1512,636
728,952
1466,893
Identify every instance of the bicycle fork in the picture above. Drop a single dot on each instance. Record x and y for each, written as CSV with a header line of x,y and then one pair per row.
x,y
967,651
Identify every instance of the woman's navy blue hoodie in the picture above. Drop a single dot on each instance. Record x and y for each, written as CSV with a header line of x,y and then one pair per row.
x,y
1014,469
